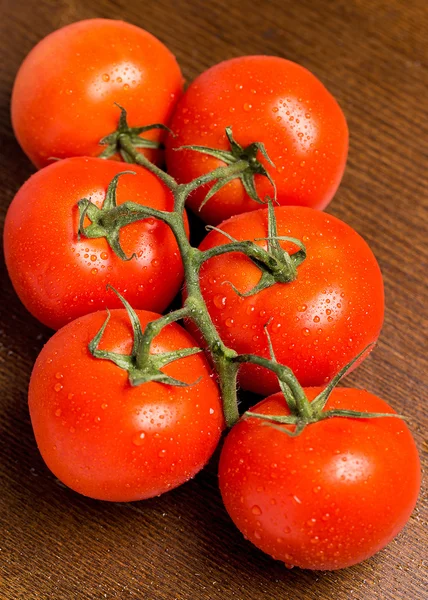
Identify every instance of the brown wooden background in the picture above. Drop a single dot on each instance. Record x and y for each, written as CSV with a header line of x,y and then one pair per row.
x,y
372,55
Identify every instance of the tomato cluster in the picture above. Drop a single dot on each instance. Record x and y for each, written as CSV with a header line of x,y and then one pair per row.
x,y
127,405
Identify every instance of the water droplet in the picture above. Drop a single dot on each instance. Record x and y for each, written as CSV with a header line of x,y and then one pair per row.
x,y
220,301
106,77
59,375
138,439
93,258
247,107
287,530
58,387
97,419
104,406
315,540
161,453
58,412
256,510
140,287
229,322
257,535
94,271
212,411
306,331
70,396
275,109
126,86
104,255
302,308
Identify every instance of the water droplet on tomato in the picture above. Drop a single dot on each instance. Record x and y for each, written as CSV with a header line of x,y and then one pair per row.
x,y
247,107
58,412
104,255
138,439
58,387
161,453
229,322
306,331
220,301
256,510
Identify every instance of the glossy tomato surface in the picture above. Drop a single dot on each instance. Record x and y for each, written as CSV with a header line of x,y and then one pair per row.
x,y
63,100
264,99
108,440
319,322
329,498
59,277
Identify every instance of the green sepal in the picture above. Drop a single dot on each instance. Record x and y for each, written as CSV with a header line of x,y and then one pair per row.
x,y
318,404
99,228
140,371
133,135
231,157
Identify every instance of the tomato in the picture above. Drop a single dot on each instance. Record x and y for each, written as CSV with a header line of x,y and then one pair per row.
x,y
64,93
326,499
58,277
109,440
264,99
318,322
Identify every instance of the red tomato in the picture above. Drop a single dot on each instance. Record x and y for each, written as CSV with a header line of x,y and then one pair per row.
x,y
318,322
64,93
108,440
264,99
59,278
326,499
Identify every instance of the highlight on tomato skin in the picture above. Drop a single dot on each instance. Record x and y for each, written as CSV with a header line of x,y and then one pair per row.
x,y
264,99
332,496
59,277
64,95
318,322
109,440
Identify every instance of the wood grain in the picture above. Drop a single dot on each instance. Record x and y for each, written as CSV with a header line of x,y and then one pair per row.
x,y
372,56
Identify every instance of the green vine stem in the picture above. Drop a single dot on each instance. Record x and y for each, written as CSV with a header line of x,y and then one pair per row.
x,y
276,266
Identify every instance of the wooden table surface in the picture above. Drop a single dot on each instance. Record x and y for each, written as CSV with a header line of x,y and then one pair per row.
x,y
55,544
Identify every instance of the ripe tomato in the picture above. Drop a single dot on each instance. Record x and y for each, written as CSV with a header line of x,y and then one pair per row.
x,y
264,99
58,277
108,440
64,93
326,499
318,322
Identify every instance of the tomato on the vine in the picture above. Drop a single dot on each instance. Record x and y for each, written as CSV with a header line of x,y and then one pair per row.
x,y
319,321
58,276
263,99
328,498
63,100
107,439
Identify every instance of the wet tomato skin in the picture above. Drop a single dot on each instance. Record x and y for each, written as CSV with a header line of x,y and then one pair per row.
x,y
59,277
264,99
320,321
329,498
65,109
111,441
